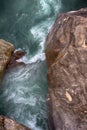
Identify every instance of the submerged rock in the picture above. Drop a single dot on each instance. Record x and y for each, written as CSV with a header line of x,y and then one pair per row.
x,y
66,55
6,50
9,124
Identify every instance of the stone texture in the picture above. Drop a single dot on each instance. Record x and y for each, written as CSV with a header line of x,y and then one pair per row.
x,y
6,50
66,55
9,124
14,59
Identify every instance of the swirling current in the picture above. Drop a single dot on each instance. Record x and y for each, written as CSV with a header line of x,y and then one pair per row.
x,y
25,23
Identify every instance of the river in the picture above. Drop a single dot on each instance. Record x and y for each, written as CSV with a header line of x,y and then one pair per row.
x,y
25,23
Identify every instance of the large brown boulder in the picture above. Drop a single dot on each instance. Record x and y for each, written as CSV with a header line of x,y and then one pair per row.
x,y
6,50
9,124
66,54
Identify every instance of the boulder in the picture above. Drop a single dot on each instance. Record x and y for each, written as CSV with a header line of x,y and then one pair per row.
x,y
66,56
14,59
6,50
9,124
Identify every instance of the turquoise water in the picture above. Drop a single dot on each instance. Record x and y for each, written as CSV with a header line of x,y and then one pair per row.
x,y
25,23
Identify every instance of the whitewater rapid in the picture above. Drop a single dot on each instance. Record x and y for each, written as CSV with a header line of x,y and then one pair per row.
x,y
24,89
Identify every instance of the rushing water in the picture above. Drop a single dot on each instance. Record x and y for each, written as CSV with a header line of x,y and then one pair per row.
x,y
26,23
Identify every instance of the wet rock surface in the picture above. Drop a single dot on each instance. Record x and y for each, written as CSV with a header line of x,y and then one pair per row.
x,y
8,58
16,56
9,124
6,49
66,55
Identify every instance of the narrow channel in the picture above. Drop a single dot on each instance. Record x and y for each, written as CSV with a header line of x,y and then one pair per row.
x,y
24,89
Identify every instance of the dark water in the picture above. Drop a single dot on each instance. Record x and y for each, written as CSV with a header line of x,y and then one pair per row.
x,y
26,23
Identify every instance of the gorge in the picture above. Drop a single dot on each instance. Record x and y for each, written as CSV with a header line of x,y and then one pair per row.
x,y
26,24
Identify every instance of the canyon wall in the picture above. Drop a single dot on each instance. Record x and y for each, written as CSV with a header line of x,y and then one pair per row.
x,y
66,56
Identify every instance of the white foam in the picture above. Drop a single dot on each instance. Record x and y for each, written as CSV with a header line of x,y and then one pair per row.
x,y
32,123
25,92
40,31
38,57
26,101
19,49
47,7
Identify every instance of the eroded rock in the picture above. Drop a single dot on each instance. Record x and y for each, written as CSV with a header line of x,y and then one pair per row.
x,y
66,54
6,50
14,59
9,124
